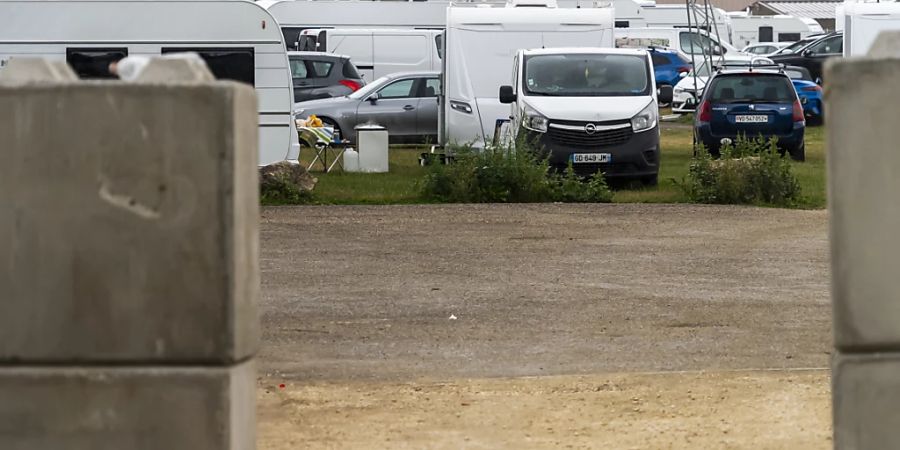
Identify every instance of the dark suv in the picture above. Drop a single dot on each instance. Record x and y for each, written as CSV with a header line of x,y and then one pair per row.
x,y
323,75
813,56
751,103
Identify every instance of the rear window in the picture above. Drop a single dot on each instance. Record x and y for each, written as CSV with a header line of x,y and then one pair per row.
x,y
349,71
307,68
752,89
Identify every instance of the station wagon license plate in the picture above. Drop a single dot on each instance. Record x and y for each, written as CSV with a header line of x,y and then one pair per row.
x,y
578,158
751,118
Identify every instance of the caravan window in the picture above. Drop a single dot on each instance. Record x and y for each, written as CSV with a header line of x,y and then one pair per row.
x,y
93,63
622,24
765,34
788,37
236,64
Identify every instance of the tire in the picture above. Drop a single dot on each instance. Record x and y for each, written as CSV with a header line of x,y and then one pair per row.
x,y
799,153
665,105
650,180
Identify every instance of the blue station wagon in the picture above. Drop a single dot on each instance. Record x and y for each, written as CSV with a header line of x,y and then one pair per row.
x,y
752,103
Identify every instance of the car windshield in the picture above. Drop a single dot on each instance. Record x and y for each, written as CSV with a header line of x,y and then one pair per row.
x,y
369,88
587,75
795,46
755,88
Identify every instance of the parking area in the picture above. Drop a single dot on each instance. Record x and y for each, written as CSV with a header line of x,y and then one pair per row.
x,y
359,299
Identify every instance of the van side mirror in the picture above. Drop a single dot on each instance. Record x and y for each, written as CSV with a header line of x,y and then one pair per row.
x,y
373,99
664,94
507,95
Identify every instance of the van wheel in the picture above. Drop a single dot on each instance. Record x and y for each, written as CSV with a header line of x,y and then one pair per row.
x,y
799,153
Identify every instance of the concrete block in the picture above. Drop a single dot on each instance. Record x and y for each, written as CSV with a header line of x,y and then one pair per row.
x,y
132,408
886,45
128,223
36,70
863,187
866,395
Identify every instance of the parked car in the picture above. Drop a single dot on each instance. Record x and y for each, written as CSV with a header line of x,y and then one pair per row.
x,y
323,75
687,92
796,46
765,48
809,92
404,103
668,66
813,56
752,103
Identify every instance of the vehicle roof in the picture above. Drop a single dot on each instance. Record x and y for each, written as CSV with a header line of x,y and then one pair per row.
x,y
586,50
414,74
319,54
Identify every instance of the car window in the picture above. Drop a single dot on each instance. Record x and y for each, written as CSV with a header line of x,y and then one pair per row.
x,y
305,68
659,60
298,68
693,43
349,71
828,46
398,89
430,88
752,89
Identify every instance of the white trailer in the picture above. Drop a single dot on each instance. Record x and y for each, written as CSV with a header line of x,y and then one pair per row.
x,y
479,47
377,52
782,28
238,39
863,22
643,13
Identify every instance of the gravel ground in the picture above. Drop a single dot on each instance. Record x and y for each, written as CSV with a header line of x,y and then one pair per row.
x,y
390,294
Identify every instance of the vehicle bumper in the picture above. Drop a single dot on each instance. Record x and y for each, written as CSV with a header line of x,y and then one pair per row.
x,y
637,157
812,108
684,102
713,141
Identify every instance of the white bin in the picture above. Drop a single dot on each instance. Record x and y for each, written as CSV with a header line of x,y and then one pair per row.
x,y
372,145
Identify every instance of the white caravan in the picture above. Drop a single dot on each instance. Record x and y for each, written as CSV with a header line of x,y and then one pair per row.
x,y
691,43
593,108
753,29
642,14
242,43
863,22
478,54
378,52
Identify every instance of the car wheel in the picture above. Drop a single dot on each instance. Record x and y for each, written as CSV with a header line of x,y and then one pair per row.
x,y
663,105
799,153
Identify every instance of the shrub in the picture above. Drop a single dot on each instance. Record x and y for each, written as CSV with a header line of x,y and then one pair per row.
x,y
505,175
752,171
280,190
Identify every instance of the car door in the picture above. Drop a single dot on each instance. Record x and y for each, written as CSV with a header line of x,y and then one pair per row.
x,y
814,57
427,114
395,107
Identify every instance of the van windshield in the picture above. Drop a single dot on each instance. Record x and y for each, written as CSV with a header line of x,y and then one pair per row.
x,y
587,75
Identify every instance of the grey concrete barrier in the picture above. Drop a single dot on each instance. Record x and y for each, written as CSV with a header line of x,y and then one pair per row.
x,y
129,271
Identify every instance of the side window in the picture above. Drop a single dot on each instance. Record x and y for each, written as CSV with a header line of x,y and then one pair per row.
x,y
829,46
237,64
788,37
322,68
93,63
622,24
692,43
398,89
515,73
430,88
439,43
298,69
765,34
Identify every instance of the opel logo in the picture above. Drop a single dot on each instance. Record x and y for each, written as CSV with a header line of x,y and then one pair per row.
x,y
590,128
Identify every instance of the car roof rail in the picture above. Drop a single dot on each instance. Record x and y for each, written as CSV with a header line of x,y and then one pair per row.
x,y
749,65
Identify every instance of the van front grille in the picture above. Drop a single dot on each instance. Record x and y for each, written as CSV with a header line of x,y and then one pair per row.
x,y
581,138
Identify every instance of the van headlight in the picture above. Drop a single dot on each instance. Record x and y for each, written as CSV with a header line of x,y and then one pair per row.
x,y
535,121
646,119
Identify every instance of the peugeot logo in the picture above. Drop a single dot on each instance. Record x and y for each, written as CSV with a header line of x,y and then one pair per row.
x,y
590,128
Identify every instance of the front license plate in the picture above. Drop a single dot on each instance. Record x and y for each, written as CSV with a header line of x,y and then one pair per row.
x,y
591,158
755,118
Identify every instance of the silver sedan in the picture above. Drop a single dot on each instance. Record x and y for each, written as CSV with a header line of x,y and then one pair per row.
x,y
404,103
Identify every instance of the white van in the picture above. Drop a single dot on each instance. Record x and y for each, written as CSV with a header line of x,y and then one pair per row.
x,y
688,42
863,22
479,47
593,108
242,43
749,29
378,52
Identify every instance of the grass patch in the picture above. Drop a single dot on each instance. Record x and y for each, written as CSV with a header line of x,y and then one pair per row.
x,y
402,184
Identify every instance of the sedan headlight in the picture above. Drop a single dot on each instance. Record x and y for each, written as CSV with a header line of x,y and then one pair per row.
x,y
678,90
535,121
646,119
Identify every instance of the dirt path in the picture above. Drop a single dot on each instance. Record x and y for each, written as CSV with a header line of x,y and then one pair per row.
x,y
367,293
752,410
